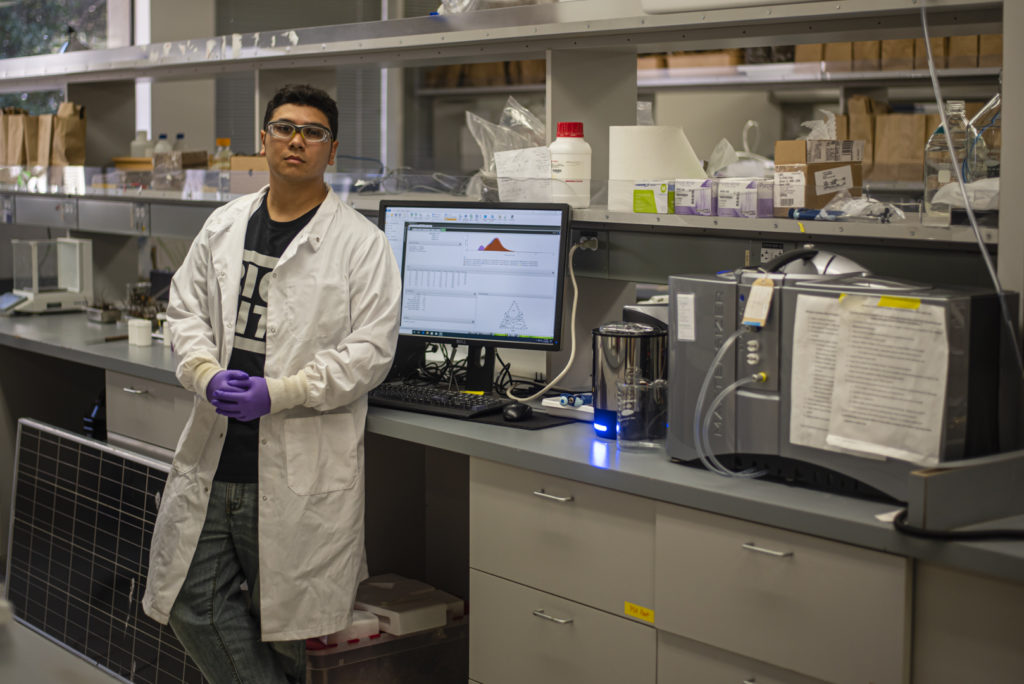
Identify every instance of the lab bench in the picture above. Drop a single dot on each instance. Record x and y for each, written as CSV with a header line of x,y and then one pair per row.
x,y
616,556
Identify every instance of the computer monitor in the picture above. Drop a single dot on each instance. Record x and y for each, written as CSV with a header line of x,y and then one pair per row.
x,y
482,274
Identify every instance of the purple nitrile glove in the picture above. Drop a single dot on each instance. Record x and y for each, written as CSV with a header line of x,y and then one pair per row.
x,y
230,380
244,405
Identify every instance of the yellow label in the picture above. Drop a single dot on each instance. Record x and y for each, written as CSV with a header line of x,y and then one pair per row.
x,y
639,612
802,229
900,302
476,392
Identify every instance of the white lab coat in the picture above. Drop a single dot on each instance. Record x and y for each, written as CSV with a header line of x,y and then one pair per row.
x,y
332,314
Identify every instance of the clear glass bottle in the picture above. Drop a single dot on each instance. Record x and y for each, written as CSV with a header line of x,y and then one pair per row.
x,y
162,163
938,167
179,142
221,161
988,126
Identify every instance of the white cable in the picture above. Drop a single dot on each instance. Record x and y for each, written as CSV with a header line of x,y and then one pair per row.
x,y
572,337
707,457
711,464
963,191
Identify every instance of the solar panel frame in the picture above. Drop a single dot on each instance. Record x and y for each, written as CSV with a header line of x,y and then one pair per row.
x,y
82,518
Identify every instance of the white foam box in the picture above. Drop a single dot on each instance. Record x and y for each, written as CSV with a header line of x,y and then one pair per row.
x,y
404,605
364,625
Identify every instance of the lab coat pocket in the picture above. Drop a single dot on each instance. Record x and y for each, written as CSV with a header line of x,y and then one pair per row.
x,y
321,453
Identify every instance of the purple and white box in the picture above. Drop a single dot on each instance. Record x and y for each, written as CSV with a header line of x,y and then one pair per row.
x,y
745,197
696,196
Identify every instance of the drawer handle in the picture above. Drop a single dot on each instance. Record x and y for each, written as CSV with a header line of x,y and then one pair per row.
x,y
560,499
132,390
749,681
751,546
562,621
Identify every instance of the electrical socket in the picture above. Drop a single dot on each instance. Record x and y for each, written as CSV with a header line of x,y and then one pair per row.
x,y
588,243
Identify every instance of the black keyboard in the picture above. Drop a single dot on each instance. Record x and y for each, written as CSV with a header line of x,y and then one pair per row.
x,y
439,401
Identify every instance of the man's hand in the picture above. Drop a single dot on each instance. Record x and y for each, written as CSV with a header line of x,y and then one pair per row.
x,y
227,380
243,404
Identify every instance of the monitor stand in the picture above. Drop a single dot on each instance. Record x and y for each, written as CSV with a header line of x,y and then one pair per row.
x,y
480,368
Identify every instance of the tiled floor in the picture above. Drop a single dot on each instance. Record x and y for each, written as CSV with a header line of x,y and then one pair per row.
x,y
27,657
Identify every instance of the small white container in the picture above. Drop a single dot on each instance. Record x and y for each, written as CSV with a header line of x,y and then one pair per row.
x,y
570,166
140,332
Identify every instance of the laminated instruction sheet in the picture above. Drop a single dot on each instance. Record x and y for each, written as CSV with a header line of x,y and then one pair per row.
x,y
869,376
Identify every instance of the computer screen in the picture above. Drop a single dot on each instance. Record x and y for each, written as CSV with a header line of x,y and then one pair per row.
x,y
482,274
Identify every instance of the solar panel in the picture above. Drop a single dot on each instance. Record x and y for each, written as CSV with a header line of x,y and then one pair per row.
x,y
78,553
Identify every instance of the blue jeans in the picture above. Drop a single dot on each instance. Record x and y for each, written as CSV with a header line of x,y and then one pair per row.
x,y
216,622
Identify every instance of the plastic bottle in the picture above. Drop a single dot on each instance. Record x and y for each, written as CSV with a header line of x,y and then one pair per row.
x,y
139,146
221,158
166,165
938,167
988,125
179,142
570,166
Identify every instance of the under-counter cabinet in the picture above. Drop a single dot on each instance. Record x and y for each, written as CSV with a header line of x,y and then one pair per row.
x,y
826,610
561,580
145,415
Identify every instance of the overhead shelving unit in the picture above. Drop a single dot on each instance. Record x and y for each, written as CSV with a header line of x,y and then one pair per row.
x,y
590,47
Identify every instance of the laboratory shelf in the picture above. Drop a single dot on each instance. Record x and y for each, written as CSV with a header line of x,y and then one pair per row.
x,y
809,74
502,34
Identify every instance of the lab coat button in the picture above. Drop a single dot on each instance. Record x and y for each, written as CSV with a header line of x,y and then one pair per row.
x,y
273,328
263,442
264,498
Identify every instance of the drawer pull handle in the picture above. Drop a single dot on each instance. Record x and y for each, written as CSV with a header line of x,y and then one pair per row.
x,y
562,621
560,499
751,546
132,390
749,681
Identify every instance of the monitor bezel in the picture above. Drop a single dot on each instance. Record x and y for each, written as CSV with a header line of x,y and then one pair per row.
x,y
563,244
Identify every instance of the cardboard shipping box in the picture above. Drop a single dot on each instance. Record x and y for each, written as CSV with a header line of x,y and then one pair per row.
x,y
898,55
838,56
818,151
990,50
812,186
940,51
867,55
963,52
809,52
248,173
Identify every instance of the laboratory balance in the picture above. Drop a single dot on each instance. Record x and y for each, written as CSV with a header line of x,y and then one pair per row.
x,y
49,276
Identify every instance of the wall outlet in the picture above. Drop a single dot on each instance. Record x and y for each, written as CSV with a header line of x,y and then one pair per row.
x,y
770,250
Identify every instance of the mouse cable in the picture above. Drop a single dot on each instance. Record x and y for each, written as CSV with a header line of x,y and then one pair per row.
x,y
901,524
572,336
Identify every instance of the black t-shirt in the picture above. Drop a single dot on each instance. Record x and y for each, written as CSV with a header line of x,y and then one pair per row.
x,y
265,242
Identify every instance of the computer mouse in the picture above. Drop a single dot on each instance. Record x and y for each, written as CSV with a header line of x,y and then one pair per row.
x,y
517,412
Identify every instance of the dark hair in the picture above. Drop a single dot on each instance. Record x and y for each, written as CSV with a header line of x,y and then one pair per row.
x,y
305,95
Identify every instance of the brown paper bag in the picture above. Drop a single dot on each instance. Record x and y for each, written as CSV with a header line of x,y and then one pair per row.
x,y
862,127
32,141
44,141
68,136
15,139
899,147
3,138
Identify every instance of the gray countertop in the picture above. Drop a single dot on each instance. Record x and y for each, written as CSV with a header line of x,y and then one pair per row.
x,y
570,451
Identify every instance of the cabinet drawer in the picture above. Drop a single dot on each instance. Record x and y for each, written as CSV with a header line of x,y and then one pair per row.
x,y
510,644
682,661
146,410
589,544
824,609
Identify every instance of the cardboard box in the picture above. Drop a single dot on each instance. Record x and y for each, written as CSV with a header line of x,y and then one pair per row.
x,y
650,62
940,52
860,104
696,196
838,56
898,55
812,186
248,174
809,52
842,127
867,55
899,147
963,52
990,50
818,151
745,197
685,60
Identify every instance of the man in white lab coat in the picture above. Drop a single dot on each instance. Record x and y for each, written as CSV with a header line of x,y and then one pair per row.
x,y
283,316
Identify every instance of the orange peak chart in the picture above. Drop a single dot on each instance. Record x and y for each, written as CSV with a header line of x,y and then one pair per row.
x,y
493,246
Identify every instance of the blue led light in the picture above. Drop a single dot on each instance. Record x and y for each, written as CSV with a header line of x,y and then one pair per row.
x,y
600,428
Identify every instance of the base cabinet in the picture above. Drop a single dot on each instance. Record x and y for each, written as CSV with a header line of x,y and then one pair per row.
x,y
967,628
518,634
683,661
